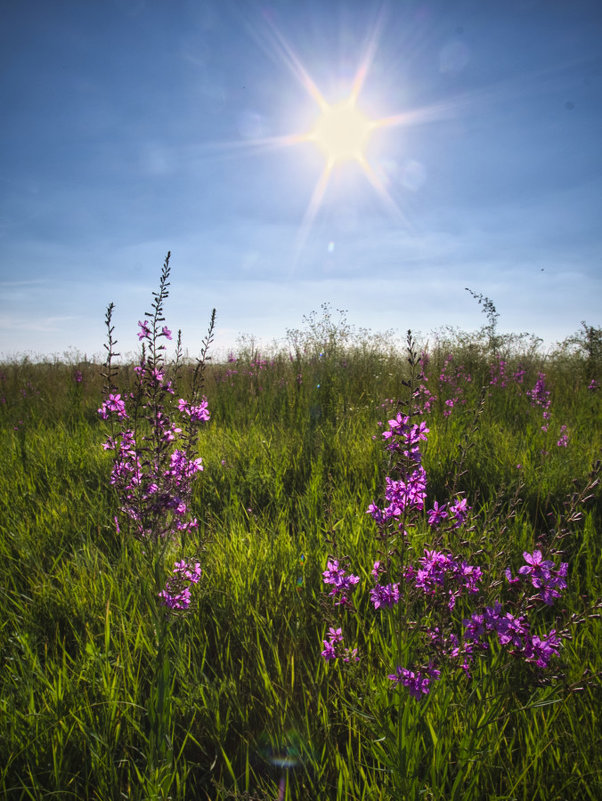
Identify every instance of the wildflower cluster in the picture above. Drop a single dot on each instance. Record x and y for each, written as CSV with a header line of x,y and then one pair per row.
x,y
153,442
543,575
456,381
333,647
152,471
418,682
540,396
408,493
457,614
423,397
511,631
563,440
440,572
497,373
176,595
343,584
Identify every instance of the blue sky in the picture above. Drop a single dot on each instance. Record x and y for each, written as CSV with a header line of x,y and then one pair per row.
x,y
134,127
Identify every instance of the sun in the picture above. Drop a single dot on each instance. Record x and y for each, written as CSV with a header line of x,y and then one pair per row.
x,y
342,132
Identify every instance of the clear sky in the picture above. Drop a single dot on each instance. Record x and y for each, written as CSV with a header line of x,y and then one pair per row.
x,y
134,127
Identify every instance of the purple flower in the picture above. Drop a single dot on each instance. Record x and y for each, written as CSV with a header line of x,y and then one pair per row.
x,y
417,433
177,601
335,635
329,652
145,331
535,564
417,682
376,514
342,582
475,627
541,649
510,629
539,395
114,403
402,435
384,596
432,573
198,413
332,651
437,514
177,595
469,576
377,570
459,511
544,576
439,570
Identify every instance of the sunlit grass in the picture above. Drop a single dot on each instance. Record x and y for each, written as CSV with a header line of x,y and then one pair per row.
x,y
290,468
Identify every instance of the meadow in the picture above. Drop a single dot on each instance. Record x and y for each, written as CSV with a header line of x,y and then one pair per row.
x,y
445,645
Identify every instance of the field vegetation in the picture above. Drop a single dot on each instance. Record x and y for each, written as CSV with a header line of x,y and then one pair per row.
x,y
445,645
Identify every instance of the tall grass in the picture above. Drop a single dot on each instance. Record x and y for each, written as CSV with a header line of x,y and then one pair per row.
x,y
293,457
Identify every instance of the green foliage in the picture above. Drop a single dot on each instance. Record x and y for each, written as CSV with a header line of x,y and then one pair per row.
x,y
290,468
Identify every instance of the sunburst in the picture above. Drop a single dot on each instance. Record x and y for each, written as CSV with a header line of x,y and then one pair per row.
x,y
341,130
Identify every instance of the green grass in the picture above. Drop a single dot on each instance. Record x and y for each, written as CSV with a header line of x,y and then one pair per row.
x,y
290,467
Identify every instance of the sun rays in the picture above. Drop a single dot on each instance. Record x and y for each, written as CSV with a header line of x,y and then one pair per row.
x,y
341,130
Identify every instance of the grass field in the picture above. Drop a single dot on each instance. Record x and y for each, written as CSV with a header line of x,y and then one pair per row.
x,y
107,694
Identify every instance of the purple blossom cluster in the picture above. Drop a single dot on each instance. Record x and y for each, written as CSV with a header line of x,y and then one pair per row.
x,y
457,513
152,470
176,595
511,631
154,493
401,495
153,441
114,404
547,579
343,583
404,436
497,374
440,572
540,396
456,381
418,682
519,374
563,440
447,633
199,413
407,493
386,595
333,647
